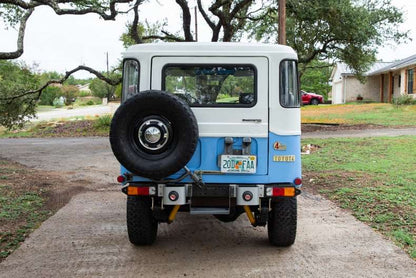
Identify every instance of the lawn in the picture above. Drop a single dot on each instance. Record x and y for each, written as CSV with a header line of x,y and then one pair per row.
x,y
375,178
73,127
22,205
374,113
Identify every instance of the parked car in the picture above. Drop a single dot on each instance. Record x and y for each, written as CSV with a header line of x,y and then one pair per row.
x,y
311,98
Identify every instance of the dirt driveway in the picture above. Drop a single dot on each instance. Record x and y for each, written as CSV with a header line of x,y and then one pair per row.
x,y
87,238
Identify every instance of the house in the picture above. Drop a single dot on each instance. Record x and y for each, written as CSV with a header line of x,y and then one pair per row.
x,y
384,81
84,88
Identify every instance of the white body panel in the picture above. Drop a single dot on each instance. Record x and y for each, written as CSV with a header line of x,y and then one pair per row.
x,y
225,121
266,58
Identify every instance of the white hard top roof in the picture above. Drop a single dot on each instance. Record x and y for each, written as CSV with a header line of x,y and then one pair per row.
x,y
209,48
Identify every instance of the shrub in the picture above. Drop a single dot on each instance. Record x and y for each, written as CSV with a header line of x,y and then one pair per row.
x,y
69,92
404,100
49,94
103,121
84,94
82,101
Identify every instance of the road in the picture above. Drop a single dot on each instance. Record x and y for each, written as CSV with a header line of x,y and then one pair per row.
x,y
88,238
61,113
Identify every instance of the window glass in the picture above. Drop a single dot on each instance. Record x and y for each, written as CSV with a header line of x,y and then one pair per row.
x,y
130,79
212,85
410,77
289,89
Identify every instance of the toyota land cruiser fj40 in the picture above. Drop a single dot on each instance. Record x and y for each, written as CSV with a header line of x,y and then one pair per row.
x,y
209,128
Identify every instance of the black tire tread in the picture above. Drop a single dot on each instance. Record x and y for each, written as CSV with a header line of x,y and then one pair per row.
x,y
141,225
139,165
282,222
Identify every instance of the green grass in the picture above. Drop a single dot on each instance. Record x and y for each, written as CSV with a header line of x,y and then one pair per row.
x,y
374,113
373,177
22,207
74,127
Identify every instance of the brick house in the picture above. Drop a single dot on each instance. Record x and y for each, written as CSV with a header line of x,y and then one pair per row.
x,y
385,81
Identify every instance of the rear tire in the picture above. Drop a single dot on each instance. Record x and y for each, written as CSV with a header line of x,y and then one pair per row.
x,y
141,225
314,101
282,222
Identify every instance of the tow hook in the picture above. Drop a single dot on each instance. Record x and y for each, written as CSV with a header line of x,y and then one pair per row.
x,y
250,216
172,214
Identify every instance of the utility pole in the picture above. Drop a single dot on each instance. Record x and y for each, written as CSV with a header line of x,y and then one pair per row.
x,y
196,25
107,63
282,22
108,76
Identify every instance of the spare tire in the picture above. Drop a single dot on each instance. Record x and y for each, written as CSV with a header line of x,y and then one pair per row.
x,y
154,134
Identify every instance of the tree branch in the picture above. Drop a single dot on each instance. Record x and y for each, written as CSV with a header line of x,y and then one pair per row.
x,y
134,32
62,80
186,20
54,4
208,20
167,37
20,38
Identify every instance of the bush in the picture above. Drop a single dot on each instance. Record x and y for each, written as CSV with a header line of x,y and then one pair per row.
x,y
404,100
84,94
49,94
83,101
69,92
103,121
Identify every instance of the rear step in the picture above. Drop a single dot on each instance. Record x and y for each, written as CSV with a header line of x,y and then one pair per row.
x,y
208,210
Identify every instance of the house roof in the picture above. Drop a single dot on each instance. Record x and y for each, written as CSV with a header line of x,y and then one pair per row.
x,y
346,70
396,65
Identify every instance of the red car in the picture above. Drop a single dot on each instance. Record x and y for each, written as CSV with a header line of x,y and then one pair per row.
x,y
311,98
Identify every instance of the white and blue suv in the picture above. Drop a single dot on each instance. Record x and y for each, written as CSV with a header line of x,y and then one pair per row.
x,y
209,128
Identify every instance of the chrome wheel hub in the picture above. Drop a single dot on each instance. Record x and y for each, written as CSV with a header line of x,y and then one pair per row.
x,y
153,134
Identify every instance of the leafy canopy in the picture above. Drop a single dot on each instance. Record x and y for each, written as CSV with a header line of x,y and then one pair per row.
x,y
16,79
345,30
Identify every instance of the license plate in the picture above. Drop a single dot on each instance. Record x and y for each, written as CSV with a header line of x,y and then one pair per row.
x,y
238,164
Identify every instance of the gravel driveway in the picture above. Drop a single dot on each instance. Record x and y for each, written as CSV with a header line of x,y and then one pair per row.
x,y
88,238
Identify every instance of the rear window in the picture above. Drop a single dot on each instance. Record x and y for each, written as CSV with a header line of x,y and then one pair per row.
x,y
212,85
289,84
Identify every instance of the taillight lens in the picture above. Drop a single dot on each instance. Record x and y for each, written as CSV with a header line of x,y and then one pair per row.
x,y
121,179
297,181
134,190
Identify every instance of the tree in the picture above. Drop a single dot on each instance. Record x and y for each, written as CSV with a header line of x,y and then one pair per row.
x,y
15,80
14,12
227,16
18,99
69,92
345,30
49,95
315,78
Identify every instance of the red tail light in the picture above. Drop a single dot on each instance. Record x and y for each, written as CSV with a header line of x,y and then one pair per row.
x,y
121,179
141,191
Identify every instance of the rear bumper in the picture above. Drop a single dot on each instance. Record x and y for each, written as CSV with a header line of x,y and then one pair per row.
x,y
237,194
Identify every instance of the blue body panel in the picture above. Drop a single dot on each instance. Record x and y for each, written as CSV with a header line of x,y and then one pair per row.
x,y
268,171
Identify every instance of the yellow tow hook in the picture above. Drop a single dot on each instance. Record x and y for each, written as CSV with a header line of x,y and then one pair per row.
x,y
250,215
172,214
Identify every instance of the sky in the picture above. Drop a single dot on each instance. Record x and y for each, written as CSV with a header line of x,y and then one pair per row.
x,y
60,43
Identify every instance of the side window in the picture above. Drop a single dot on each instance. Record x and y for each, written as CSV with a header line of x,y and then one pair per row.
x,y
131,73
289,89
